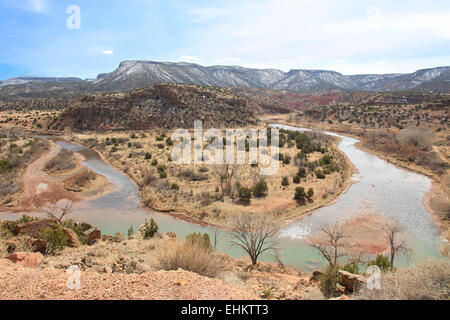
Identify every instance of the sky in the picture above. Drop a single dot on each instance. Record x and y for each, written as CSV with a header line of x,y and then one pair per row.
x,y
351,37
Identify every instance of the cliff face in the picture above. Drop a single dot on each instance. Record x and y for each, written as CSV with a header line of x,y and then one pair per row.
x,y
159,106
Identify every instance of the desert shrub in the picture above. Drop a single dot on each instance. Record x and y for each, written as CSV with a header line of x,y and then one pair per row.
x,y
296,179
175,186
320,174
4,166
382,262
203,241
352,267
287,159
147,178
154,162
162,174
148,156
245,194
300,194
428,280
150,229
83,178
310,193
418,137
8,188
260,189
130,232
56,239
191,257
62,162
302,173
328,281
285,181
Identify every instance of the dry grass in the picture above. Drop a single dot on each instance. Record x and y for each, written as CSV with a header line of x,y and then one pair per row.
x,y
190,257
81,179
64,161
429,280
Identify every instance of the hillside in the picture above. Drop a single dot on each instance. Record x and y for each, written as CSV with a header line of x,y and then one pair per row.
x,y
159,106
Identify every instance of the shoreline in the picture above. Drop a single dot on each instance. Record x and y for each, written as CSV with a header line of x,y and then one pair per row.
x,y
435,183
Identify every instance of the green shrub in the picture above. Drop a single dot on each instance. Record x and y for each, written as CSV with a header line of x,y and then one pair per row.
x,y
202,241
382,262
296,179
320,174
300,194
352,267
5,166
260,189
162,174
148,156
175,186
285,181
245,194
154,162
130,232
310,193
302,173
56,239
150,229
328,281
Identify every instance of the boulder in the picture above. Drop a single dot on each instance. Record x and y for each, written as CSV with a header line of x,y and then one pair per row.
x,y
343,297
350,281
72,238
39,245
107,238
93,235
26,259
119,237
315,276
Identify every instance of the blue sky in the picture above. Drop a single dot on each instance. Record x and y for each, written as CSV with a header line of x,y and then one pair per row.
x,y
347,36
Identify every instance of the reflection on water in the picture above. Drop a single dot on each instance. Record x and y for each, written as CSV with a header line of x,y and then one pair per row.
x,y
382,188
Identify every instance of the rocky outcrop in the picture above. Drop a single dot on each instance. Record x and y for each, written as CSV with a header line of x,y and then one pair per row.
x,y
93,235
26,259
72,238
351,282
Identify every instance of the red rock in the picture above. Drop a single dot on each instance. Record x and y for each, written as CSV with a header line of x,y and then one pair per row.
x,y
26,259
93,235
72,238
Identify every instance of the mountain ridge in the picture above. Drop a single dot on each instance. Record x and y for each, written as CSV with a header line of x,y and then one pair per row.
x,y
135,74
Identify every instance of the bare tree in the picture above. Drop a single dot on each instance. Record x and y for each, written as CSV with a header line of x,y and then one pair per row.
x,y
226,174
397,243
59,213
255,235
330,243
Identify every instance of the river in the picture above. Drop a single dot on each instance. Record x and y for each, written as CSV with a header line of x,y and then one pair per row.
x,y
380,188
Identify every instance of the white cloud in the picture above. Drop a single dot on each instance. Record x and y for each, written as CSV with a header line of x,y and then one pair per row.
x,y
108,52
38,5
190,59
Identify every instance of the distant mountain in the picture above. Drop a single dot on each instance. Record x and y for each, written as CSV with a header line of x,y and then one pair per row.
x,y
23,80
131,75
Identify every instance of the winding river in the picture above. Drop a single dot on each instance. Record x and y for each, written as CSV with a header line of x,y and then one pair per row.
x,y
381,188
